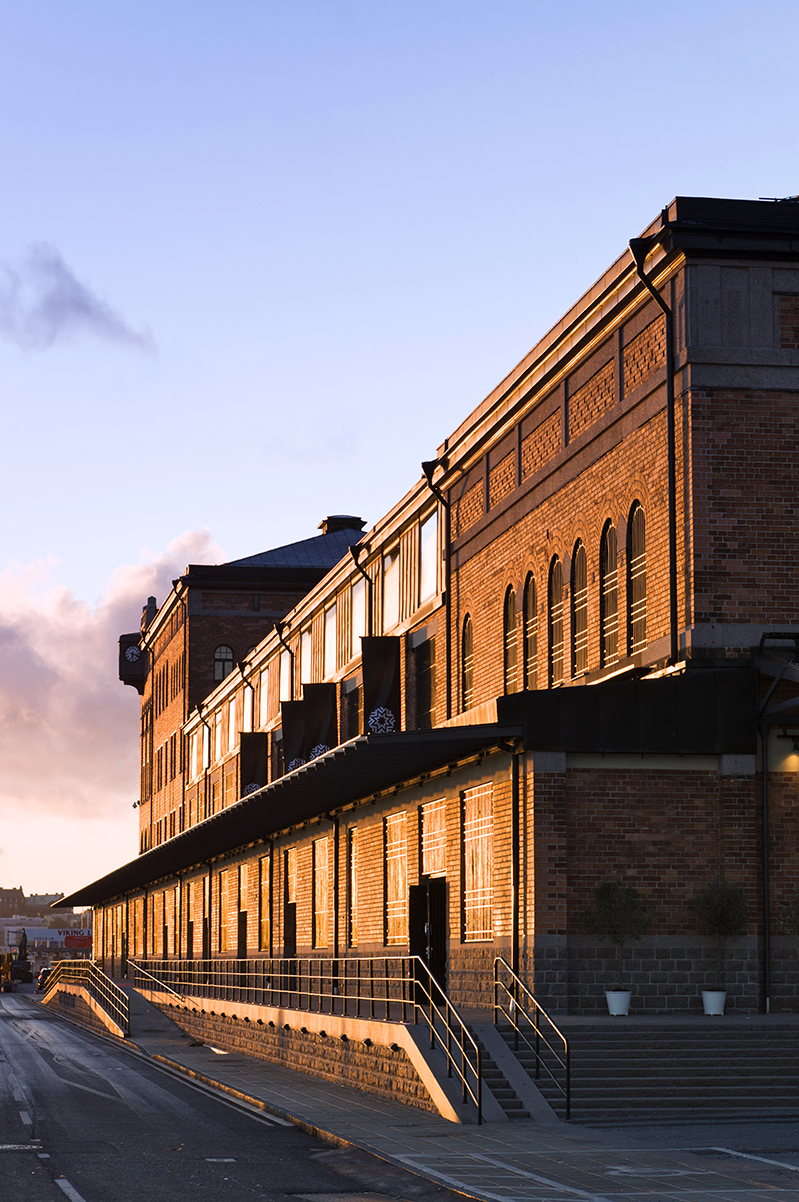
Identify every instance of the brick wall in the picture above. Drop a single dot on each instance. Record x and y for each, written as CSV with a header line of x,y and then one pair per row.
x,y
589,403
789,322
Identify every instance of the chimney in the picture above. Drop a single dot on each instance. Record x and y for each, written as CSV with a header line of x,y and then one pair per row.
x,y
340,521
148,612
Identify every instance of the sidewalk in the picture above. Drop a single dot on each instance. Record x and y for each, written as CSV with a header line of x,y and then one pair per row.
x,y
500,1162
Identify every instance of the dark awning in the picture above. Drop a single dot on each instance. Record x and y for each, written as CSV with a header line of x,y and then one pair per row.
x,y
349,773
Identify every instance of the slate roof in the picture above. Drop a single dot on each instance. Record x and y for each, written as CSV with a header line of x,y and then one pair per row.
x,y
324,551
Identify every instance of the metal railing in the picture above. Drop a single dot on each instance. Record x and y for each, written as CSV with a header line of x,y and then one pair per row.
x,y
93,980
532,1028
384,988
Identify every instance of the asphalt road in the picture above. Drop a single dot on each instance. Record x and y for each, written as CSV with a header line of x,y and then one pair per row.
x,y
85,1121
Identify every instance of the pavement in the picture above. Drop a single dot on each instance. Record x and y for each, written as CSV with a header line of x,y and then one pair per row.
x,y
523,1161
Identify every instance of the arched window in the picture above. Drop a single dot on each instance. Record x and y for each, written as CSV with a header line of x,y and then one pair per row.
x,y
509,641
555,622
530,634
467,664
636,580
608,598
579,610
223,662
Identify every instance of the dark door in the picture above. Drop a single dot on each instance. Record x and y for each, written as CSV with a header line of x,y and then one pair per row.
x,y
290,930
190,939
241,946
206,939
427,925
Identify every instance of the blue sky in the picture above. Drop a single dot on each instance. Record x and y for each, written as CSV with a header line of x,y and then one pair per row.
x,y
280,249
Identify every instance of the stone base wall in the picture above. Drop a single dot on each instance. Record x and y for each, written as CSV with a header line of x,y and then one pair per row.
x,y
377,1068
73,1005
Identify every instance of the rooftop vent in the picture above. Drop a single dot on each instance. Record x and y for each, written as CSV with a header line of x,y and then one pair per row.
x,y
340,521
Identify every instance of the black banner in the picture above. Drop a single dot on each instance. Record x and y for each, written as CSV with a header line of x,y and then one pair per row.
x,y
254,754
321,719
381,685
294,743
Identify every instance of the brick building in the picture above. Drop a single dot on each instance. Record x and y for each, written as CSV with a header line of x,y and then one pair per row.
x,y
567,655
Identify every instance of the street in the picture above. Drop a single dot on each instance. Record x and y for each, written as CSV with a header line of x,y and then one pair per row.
x,y
84,1121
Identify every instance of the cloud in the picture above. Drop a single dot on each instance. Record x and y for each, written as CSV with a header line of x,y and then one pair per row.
x,y
42,302
68,727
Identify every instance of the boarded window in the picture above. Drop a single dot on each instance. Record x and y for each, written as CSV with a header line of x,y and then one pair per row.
x,y
608,597
321,892
434,838
509,642
636,579
331,653
555,622
224,911
306,664
467,664
478,855
396,880
285,682
530,634
291,874
352,877
264,902
579,610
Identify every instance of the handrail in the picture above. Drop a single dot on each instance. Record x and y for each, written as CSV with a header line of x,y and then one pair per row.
x,y
510,1001
85,973
381,988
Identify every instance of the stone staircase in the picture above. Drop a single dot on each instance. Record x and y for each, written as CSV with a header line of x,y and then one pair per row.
x,y
701,1069
499,1085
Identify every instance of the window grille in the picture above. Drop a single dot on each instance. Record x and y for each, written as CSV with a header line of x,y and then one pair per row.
x,y
264,903
579,610
396,879
224,912
331,654
434,838
556,622
608,597
223,662
478,856
467,664
530,634
509,641
321,891
636,579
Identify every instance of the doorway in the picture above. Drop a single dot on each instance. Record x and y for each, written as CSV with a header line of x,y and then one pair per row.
x,y
427,925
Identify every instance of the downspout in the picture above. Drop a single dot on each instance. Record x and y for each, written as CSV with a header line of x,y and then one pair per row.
x,y
355,551
639,249
205,766
515,857
428,468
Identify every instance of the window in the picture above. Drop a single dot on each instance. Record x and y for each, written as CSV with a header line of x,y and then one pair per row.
x,y
263,708
579,610
224,911
428,557
391,589
636,580
306,667
424,658
510,678
264,902
354,712
467,664
434,838
331,657
608,598
223,662
358,612
478,855
321,891
232,731
530,634
246,718
285,676
396,885
555,622
352,876
217,736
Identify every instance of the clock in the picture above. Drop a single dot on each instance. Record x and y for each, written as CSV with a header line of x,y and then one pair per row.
x,y
132,654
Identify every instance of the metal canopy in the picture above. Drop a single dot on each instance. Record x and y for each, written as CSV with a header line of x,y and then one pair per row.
x,y
352,772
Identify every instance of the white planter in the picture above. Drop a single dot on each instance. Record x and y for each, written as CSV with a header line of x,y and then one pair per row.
x,y
713,1000
618,1001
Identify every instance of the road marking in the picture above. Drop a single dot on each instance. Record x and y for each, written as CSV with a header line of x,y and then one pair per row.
x,y
112,1097
221,1159
507,1168
69,1190
781,1164
26,1118
19,1147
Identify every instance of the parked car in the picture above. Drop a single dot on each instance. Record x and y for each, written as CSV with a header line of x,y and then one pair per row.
x,y
42,978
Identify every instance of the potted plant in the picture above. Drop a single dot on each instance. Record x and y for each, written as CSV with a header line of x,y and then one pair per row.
x,y
618,914
722,911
